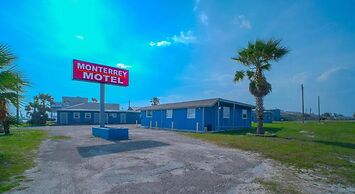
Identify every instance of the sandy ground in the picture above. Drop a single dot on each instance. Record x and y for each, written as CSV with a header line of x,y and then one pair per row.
x,y
152,161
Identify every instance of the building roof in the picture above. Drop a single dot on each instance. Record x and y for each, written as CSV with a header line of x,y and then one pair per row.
x,y
90,106
196,103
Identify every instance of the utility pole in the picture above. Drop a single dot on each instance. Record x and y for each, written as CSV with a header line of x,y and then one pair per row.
x,y
302,103
17,103
318,109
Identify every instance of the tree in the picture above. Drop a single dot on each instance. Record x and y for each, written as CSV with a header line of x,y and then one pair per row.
x,y
256,58
11,86
38,109
327,115
354,115
94,100
155,101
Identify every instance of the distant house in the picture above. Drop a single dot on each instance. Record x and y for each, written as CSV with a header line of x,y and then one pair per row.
x,y
199,116
68,101
88,113
268,116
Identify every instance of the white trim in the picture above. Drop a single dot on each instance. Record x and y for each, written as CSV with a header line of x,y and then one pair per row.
x,y
76,115
169,113
146,114
244,114
191,113
225,115
86,115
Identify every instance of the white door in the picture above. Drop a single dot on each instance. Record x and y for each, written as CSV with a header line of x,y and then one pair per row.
x,y
63,118
123,118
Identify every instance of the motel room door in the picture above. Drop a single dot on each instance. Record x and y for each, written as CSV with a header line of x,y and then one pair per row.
x,y
122,118
106,118
96,118
63,118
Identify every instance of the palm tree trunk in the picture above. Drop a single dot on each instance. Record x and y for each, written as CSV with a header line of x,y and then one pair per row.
x,y
259,109
6,126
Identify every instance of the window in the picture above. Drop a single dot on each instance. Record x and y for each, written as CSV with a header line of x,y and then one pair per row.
x,y
191,113
113,115
244,114
169,114
149,113
76,115
226,112
87,115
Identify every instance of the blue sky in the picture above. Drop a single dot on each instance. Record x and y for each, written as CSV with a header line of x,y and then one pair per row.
x,y
181,50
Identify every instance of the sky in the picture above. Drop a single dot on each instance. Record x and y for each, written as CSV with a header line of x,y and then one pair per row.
x,y
181,50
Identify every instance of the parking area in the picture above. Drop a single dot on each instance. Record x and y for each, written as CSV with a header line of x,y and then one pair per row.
x,y
152,161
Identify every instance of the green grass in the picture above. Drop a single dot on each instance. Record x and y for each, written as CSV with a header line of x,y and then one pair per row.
x,y
327,148
17,153
277,187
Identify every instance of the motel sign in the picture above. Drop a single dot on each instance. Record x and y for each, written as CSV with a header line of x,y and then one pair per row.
x,y
87,71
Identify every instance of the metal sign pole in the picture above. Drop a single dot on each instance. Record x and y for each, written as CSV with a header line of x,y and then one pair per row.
x,y
102,105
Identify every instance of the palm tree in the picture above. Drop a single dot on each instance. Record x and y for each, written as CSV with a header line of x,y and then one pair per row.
x,y
46,102
11,84
94,100
155,101
256,57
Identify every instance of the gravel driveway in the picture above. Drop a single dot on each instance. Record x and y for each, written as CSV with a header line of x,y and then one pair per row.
x,y
152,161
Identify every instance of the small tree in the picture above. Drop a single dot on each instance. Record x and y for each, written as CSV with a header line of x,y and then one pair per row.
x,y
354,115
94,100
256,57
155,101
38,109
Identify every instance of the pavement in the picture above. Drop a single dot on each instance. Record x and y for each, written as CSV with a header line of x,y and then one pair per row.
x,y
152,161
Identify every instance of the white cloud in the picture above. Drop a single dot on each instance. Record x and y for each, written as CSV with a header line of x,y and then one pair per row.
x,y
184,38
203,18
197,2
80,37
243,22
123,66
299,78
162,43
325,75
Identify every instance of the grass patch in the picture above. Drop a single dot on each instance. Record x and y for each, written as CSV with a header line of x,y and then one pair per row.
x,y
60,137
277,187
328,147
17,153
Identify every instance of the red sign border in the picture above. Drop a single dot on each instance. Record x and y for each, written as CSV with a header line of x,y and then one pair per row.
x,y
84,80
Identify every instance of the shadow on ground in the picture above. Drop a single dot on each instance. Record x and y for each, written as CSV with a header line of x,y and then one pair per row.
x,y
97,150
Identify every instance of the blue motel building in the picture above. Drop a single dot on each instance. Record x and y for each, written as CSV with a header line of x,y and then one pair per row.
x,y
198,116
88,113
268,115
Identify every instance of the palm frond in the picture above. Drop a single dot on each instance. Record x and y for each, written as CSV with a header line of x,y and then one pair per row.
x,y
239,76
6,56
9,97
266,66
250,74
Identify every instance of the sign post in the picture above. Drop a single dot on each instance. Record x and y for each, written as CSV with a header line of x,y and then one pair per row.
x,y
91,72
102,105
